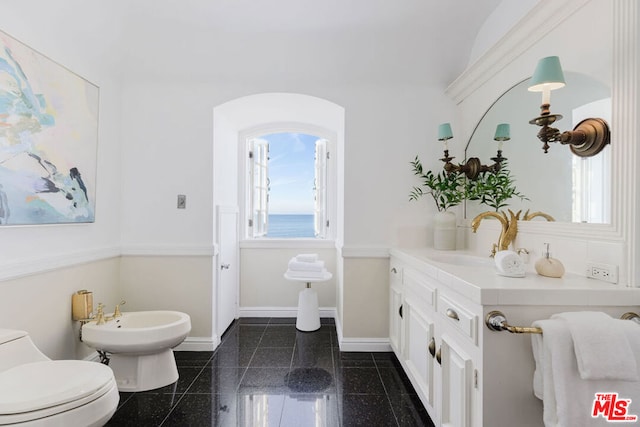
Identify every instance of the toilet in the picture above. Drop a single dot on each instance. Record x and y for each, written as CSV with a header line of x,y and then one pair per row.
x,y
38,391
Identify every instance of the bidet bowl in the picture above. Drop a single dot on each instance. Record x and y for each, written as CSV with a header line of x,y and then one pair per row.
x,y
138,332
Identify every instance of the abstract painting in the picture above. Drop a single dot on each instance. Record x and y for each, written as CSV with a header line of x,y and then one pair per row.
x,y
48,139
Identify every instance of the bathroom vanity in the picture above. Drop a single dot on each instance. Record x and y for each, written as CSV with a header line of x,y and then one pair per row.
x,y
464,373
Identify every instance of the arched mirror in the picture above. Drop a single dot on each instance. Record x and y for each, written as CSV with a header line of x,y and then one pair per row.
x,y
558,183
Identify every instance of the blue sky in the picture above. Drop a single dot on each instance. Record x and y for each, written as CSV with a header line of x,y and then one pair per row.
x,y
291,172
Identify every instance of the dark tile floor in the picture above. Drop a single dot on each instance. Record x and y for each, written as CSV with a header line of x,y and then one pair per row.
x,y
266,373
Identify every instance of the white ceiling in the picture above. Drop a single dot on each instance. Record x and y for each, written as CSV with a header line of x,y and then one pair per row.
x,y
323,42
326,41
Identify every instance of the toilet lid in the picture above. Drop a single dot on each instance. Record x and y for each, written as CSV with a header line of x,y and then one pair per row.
x,y
40,385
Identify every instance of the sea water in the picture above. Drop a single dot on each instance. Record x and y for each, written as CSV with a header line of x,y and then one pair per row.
x,y
290,226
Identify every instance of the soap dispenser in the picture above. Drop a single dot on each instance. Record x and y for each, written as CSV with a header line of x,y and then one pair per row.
x,y
548,266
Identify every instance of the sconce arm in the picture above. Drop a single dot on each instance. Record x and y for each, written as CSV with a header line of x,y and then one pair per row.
x,y
587,139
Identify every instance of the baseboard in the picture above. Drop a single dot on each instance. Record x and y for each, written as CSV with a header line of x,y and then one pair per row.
x,y
365,344
325,312
199,344
361,344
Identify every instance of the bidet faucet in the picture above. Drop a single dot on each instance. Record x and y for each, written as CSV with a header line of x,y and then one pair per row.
x,y
100,315
116,312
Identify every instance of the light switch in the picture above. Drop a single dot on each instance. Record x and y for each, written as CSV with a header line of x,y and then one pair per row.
x,y
182,201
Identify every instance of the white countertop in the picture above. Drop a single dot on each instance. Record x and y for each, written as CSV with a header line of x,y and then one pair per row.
x,y
482,285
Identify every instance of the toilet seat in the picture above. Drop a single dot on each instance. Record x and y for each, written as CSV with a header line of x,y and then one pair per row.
x,y
42,389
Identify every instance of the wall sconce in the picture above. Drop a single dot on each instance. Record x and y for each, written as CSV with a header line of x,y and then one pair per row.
x,y
589,136
473,167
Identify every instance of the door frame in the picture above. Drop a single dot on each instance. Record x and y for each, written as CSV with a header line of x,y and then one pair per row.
x,y
222,209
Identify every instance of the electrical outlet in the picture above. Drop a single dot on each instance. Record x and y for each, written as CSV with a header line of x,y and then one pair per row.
x,y
605,272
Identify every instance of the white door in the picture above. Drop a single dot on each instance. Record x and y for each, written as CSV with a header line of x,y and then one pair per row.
x,y
228,267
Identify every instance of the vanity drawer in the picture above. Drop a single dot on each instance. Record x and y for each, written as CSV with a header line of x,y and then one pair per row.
x,y
459,317
418,287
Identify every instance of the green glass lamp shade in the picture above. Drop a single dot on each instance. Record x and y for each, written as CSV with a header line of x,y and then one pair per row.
x,y
444,132
547,76
502,132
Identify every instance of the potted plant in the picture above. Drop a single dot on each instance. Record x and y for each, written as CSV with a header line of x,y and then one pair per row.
x,y
494,189
447,191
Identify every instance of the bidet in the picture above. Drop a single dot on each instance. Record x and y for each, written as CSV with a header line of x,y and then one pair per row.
x,y
140,346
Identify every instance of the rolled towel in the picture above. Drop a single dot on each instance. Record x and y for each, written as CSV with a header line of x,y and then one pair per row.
x,y
509,263
307,257
306,274
305,266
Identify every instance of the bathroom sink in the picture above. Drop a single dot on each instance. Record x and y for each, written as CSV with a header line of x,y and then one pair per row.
x,y
463,260
138,332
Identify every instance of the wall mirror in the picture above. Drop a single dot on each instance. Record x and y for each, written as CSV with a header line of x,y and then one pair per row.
x,y
613,46
567,187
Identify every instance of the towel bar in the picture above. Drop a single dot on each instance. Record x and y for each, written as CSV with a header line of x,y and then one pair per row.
x,y
496,321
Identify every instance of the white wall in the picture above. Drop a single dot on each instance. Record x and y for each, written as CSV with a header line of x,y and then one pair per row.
x,y
385,127
41,266
41,242
498,24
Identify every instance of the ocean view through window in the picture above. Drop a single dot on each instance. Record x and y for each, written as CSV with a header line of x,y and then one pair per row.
x,y
286,226
287,186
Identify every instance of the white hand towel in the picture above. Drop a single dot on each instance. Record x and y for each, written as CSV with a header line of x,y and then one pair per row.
x,y
307,257
568,399
305,266
538,356
601,346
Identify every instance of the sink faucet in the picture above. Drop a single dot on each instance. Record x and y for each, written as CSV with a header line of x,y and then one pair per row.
x,y
529,216
509,226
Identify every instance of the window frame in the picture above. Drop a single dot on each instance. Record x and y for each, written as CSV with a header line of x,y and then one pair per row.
x,y
245,192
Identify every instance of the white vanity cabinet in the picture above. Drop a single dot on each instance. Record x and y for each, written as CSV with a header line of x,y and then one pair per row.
x,y
438,337
465,374
419,333
395,307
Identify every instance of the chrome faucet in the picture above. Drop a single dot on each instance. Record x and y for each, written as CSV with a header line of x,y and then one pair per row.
x,y
509,227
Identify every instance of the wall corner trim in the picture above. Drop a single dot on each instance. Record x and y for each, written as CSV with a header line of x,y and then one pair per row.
x,y
22,268
169,250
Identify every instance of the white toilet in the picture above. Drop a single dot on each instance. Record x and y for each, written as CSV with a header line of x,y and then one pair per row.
x,y
38,391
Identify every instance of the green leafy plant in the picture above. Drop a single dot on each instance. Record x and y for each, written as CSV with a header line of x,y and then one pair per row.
x,y
494,189
447,190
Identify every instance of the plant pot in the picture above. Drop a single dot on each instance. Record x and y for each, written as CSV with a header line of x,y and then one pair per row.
x,y
444,231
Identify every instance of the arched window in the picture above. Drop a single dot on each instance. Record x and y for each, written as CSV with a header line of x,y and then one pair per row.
x,y
289,185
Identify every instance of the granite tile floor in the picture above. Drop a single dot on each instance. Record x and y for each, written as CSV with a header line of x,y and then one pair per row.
x,y
266,373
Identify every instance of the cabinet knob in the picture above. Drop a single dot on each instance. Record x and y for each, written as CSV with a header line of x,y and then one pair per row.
x,y
452,314
394,271
432,347
439,356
